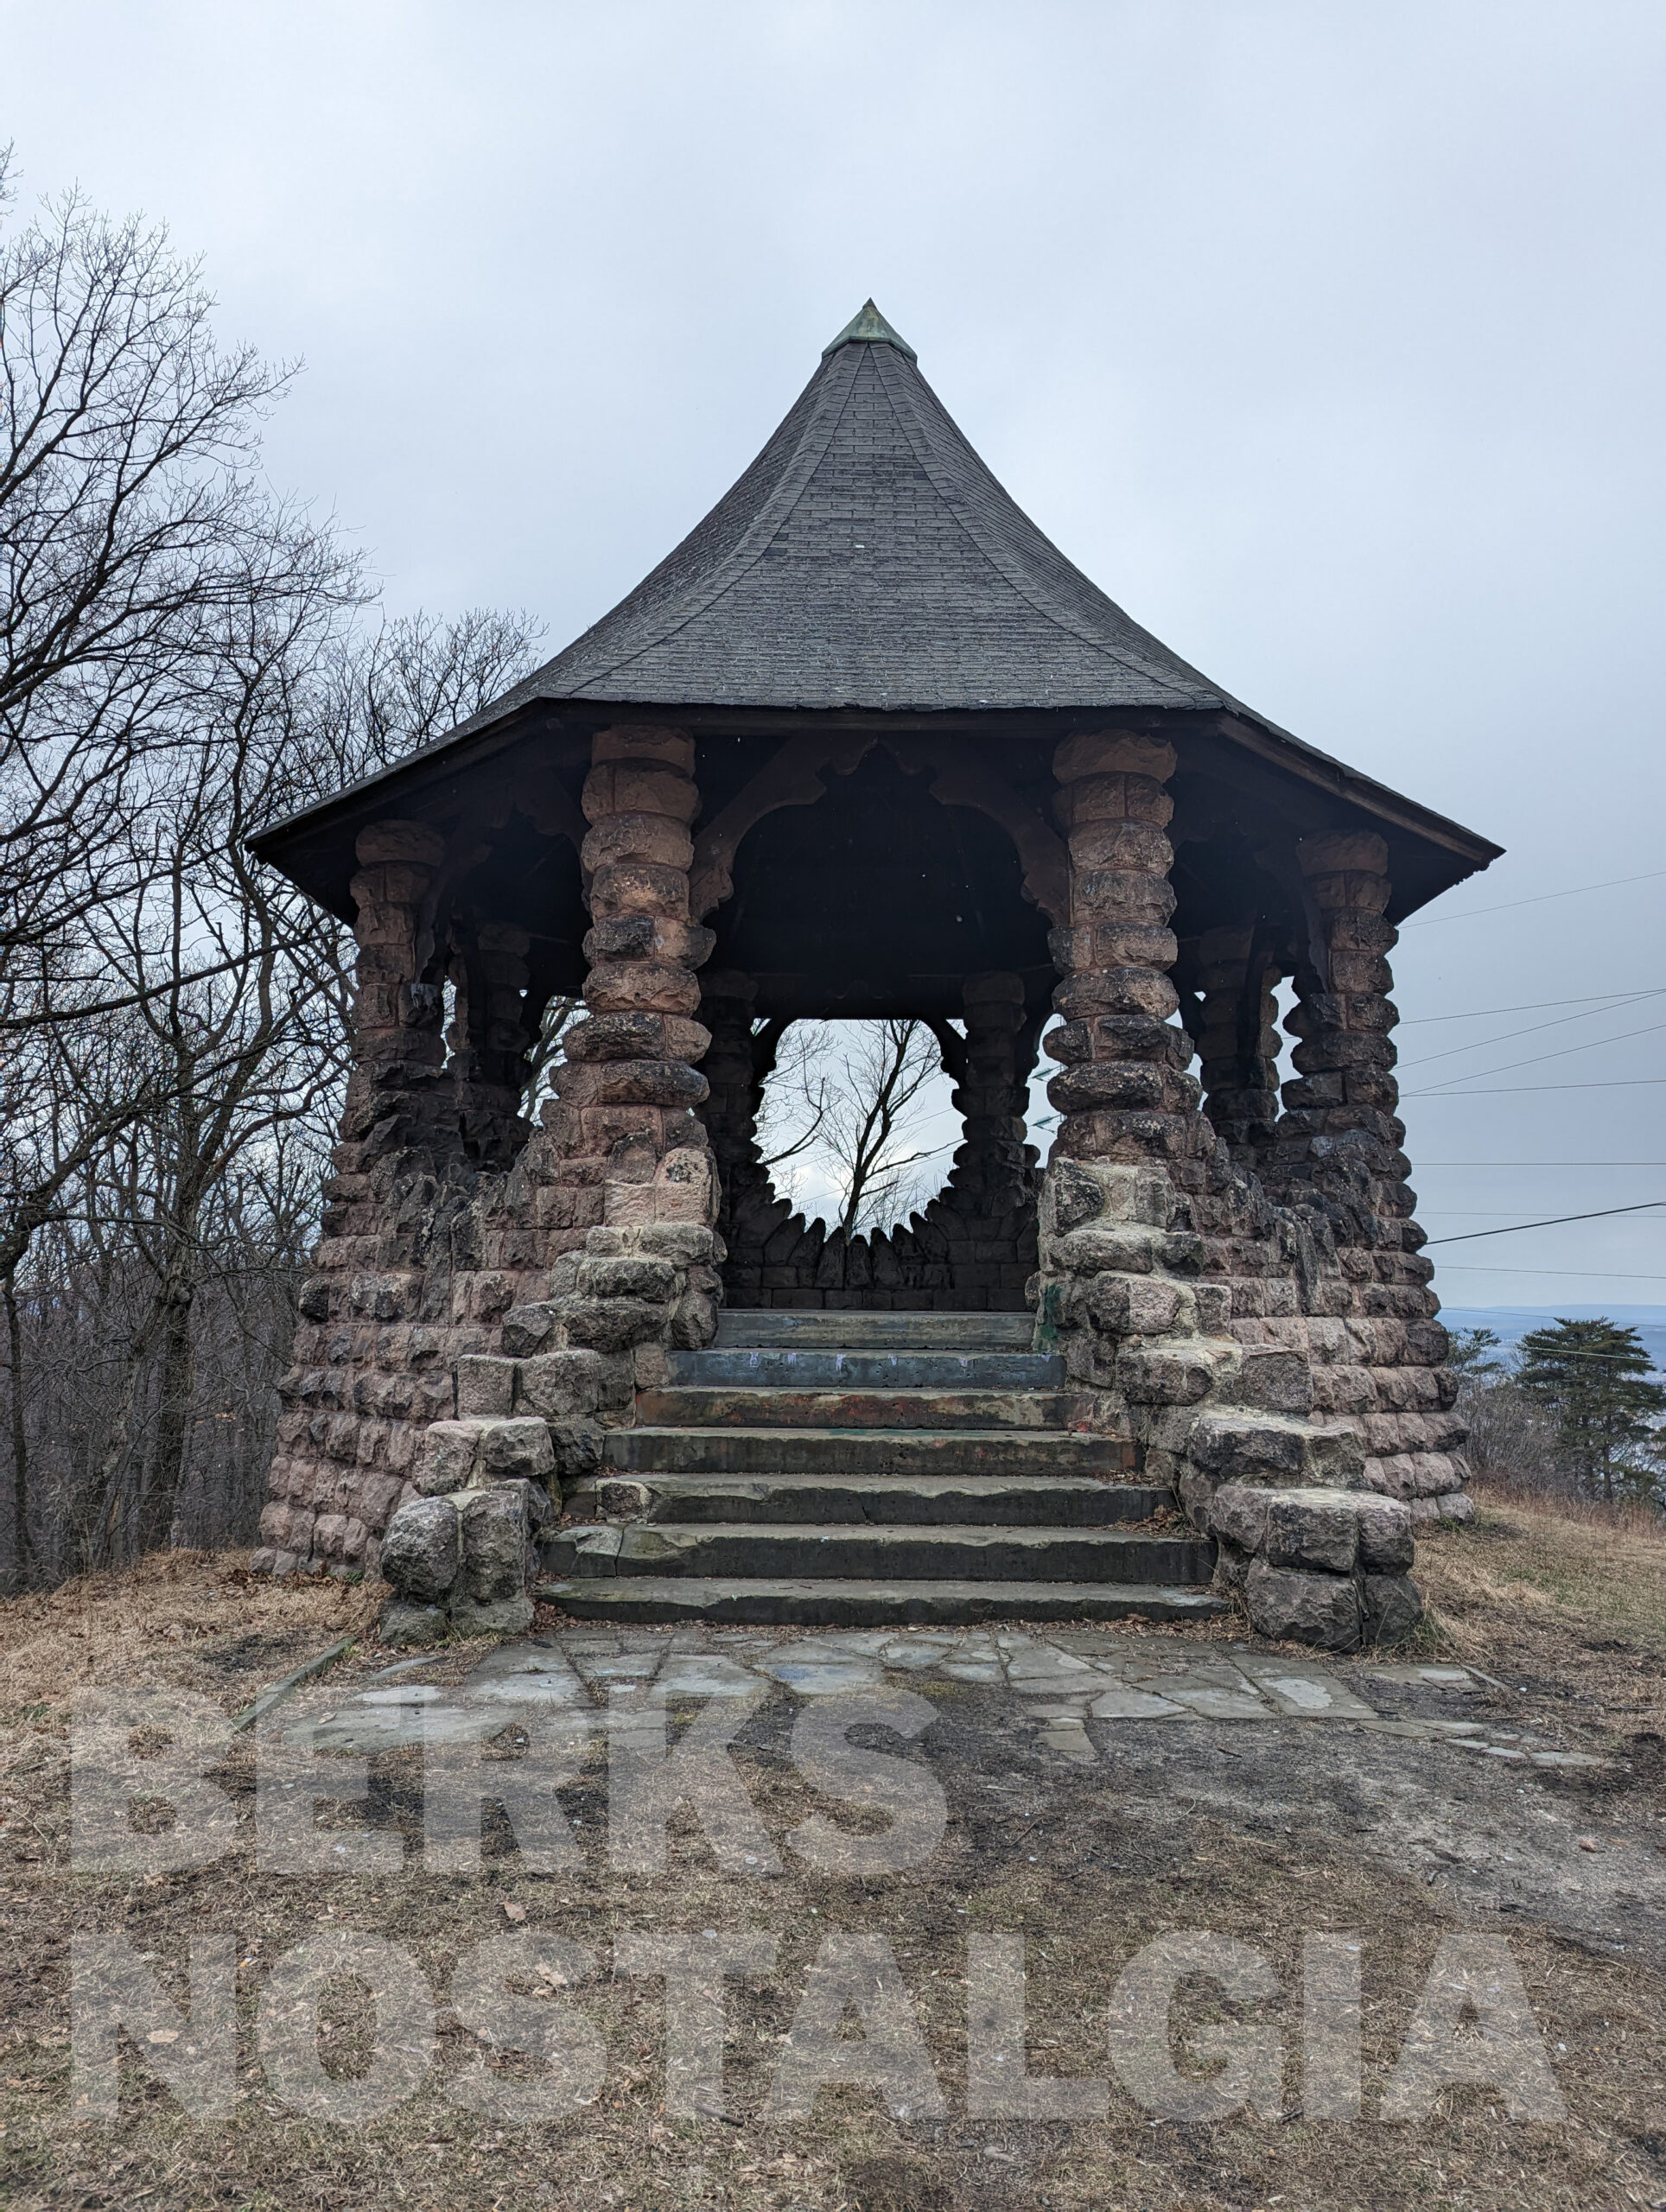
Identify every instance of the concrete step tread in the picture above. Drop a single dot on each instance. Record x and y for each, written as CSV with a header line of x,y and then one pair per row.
x,y
913,1500
796,1368
886,1550
848,1330
1025,1452
691,1406
805,1602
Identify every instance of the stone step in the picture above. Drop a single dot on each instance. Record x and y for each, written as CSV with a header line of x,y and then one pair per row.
x,y
859,1552
1007,1452
794,1368
634,1598
693,1406
842,1330
918,1501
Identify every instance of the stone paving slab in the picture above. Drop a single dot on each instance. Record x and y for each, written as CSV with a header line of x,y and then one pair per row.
x,y
1078,1692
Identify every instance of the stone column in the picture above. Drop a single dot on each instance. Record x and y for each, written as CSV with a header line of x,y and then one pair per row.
x,y
736,1066
633,1057
489,1038
1339,1150
626,1128
1238,1047
367,1375
1124,1094
398,1044
1115,1237
1343,1102
994,1169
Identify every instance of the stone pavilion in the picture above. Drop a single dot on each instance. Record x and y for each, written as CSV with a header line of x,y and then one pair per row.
x,y
866,744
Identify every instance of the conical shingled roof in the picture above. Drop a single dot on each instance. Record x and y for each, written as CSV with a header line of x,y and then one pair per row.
x,y
867,558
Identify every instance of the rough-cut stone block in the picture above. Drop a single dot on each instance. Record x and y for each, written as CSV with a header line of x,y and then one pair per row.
x,y
1073,1198
422,1549
1114,752
558,1384
1237,1514
1323,1610
1393,1607
1275,1382
1133,1305
610,1325
447,1457
686,1244
516,1451
328,1531
639,1278
1238,1450
527,1328
1312,1527
485,1387
1099,1251
494,1541
1453,1505
1170,1375
1385,1538
403,1626
577,1447
510,1616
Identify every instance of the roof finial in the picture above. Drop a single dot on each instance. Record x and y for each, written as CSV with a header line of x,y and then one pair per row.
x,y
869,328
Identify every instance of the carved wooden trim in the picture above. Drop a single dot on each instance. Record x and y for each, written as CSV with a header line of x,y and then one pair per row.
x,y
550,811
795,775
1043,857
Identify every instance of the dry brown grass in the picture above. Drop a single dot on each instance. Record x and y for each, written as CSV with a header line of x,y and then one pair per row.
x,y
187,1620
1595,1576
1087,1869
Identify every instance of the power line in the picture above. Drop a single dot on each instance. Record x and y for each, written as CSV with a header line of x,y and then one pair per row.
x,y
1534,1029
1543,897
1604,1213
1422,1164
1521,1089
1558,1274
1537,1059
1532,1006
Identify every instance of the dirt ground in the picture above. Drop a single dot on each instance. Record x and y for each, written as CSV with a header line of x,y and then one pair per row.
x,y
1386,1827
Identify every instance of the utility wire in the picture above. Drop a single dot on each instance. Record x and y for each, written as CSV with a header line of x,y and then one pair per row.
x,y
1543,897
1521,1089
1422,1164
1537,1060
1604,1213
1559,1275
1592,1014
1531,1006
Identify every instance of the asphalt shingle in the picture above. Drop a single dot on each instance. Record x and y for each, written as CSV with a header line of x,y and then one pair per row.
x,y
867,558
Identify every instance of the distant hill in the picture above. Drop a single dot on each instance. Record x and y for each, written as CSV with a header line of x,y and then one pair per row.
x,y
1509,1324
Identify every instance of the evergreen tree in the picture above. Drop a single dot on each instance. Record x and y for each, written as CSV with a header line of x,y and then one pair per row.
x,y
1474,1353
1597,1381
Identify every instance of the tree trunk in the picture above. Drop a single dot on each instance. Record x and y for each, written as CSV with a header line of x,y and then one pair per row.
x,y
160,1495
23,1564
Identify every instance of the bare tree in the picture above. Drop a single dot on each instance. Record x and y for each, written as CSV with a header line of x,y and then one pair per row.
x,y
849,1102
182,658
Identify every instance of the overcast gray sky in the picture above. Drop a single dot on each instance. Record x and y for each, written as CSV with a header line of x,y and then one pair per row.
x,y
1325,337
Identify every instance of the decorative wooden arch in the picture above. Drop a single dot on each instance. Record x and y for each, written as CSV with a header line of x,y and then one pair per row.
x,y
796,776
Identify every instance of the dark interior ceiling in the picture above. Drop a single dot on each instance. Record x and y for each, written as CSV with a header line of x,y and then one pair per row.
x,y
878,900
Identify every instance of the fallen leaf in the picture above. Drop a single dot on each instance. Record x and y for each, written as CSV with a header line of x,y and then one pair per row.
x,y
513,1911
